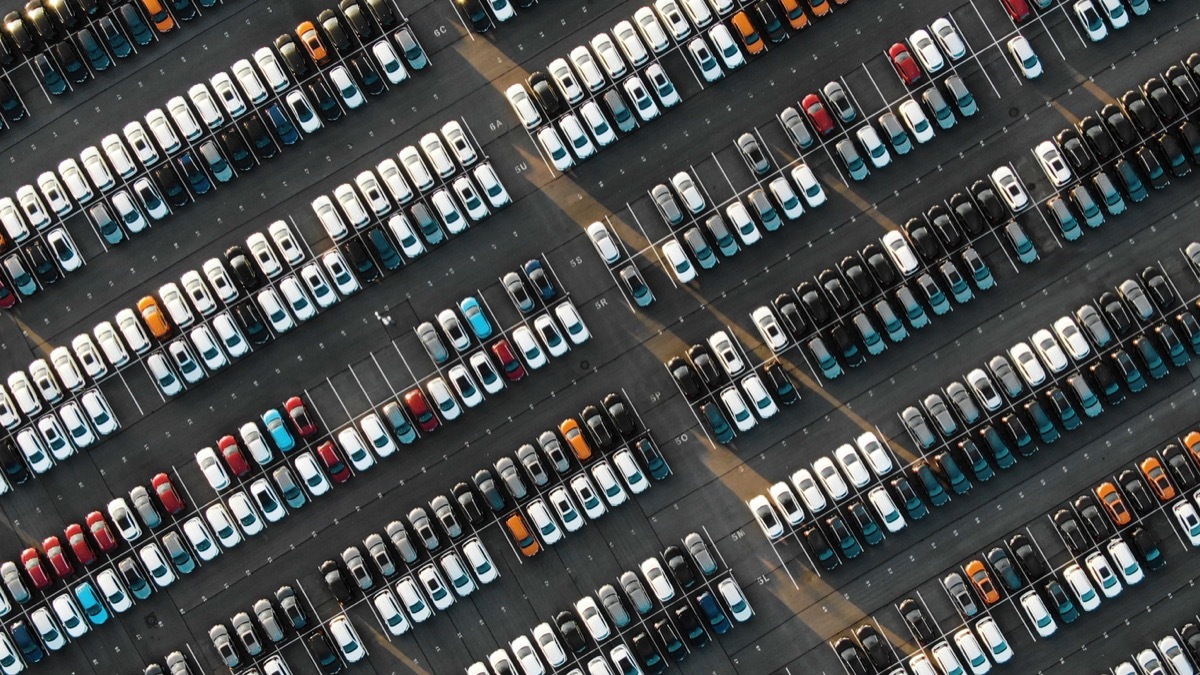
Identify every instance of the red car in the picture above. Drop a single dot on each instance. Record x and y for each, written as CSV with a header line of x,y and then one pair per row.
x,y
34,569
101,533
7,297
513,369
904,63
58,557
228,448
334,465
79,544
817,114
299,416
1018,10
167,496
419,410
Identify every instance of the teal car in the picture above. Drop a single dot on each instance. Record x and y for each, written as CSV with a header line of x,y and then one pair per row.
x,y
473,312
913,311
959,288
826,361
1150,356
1067,223
870,337
1093,217
1133,183
1021,243
892,325
1109,194
933,295
273,421
717,422
979,270
93,609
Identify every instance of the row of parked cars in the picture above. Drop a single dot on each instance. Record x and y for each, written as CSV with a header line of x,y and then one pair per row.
x,y
1166,649
276,619
653,637
737,387
1103,158
78,423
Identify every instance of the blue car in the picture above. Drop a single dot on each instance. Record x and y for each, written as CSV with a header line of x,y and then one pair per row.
x,y
712,611
473,312
90,602
273,421
284,128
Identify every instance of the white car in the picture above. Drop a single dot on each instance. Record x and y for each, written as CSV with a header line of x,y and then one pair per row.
x,y
787,503
585,67
947,36
852,464
739,412
1035,609
830,479
610,59
176,306
302,110
66,368
14,224
523,105
415,167
118,155
651,29
1010,188
876,151
150,199
347,89
410,244
926,51
34,452
414,601
163,132
550,335
69,616
877,457
355,449
351,205
329,217
255,443
1102,573
206,106
604,242
588,498
31,204
47,629
369,185
630,44
991,636
606,480
1115,12
389,611
285,241
182,115
552,145
760,399
656,577
54,438
89,356
678,261
43,380
122,518
272,308
76,183
577,139
1072,338
113,590
722,346
809,491
52,189
643,103
197,293
311,474
946,659
97,170
1090,20
480,560
459,142
230,335
807,183
787,199
347,639
201,539
22,390
389,62
630,472
222,525
886,508
527,345
270,68
664,88
214,472
243,511
1027,60
490,183
564,78
443,400
1169,647
135,134
214,270
1124,560
377,435
672,16
339,273
593,619
1051,352
98,412
742,223
915,119
901,253
1052,163
297,299
76,425
267,500
547,529
435,152
1081,587
1027,364
548,645
1189,522
724,44
435,587
572,323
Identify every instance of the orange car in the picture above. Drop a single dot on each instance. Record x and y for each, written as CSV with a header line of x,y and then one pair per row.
x,y
1192,443
311,40
795,15
749,34
1111,499
153,315
982,582
1153,470
158,14
818,7
520,533
571,431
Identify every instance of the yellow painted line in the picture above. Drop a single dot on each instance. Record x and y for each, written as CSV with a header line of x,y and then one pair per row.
x,y
1067,114
867,208
392,649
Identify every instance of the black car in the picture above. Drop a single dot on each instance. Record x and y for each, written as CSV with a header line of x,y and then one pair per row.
x,y
38,18
468,503
923,240
967,215
1169,149
43,264
360,260
1027,556
1190,635
1159,288
568,628
689,623
14,469
846,346
1144,542
1189,135
327,105
1097,137
1183,86
1068,417
647,654
389,258
856,276
852,656
19,33
1181,466
702,360
819,545
358,20
836,290
1114,310
90,47
685,377
322,652
815,304
770,21
72,65
881,267
1018,432
943,225
545,93
1119,126
790,315
236,150
334,31
1095,521
476,14
1107,382
335,579
1136,490
184,9
988,202
595,423
1071,532
251,323
260,139
1138,110
10,104
384,15
864,523
292,56
781,383
26,641
1074,152
877,647
618,411
193,174
917,622
245,272
366,73
1161,100
680,566
1151,167
670,639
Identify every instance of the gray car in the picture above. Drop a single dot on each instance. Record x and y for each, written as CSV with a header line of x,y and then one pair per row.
x,y
529,459
432,342
941,414
960,595
793,121
839,100
668,208
292,494
177,664
244,629
848,153
517,292
12,582
140,497
963,401
764,210
896,135
357,566
1003,371
726,242
421,525
510,477
486,484
1135,297
1091,321
700,553
292,609
378,552
264,611
937,105
915,421
748,145
636,592
611,602
398,535
548,442
219,636
444,512
178,552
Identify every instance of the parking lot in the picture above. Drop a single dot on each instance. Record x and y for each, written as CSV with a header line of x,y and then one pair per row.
x,y
364,352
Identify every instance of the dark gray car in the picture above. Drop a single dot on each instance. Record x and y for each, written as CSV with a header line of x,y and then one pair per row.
x,y
839,100
960,594
666,204
748,145
532,462
432,342
398,535
264,611
793,121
